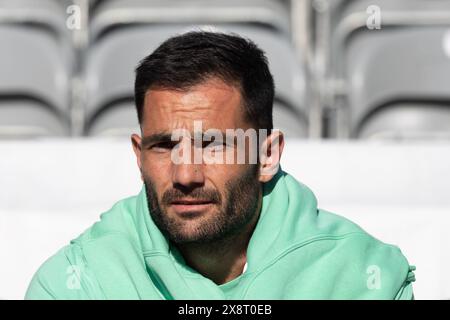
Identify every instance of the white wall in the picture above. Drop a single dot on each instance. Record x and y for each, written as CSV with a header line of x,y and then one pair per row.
x,y
51,190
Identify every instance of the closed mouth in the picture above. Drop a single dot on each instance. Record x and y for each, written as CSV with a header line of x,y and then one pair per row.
x,y
191,202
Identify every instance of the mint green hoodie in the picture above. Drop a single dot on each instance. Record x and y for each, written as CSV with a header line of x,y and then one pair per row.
x,y
296,252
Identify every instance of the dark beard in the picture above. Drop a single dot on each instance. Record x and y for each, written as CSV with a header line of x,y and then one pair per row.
x,y
235,210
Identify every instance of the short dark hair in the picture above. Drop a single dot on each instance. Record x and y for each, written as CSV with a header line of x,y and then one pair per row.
x,y
188,59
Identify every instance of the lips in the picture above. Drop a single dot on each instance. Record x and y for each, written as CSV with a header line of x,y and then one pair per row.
x,y
190,206
190,202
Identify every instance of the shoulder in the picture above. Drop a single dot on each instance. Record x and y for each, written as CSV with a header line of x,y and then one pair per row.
x,y
120,219
373,268
66,274
355,239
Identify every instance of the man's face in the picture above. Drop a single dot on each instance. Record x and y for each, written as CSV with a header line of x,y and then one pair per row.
x,y
196,202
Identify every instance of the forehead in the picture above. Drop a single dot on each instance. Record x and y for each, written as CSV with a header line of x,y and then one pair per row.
x,y
216,104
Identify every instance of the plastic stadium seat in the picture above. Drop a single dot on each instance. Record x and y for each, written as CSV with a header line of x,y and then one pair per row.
x,y
350,14
34,93
48,14
109,15
403,73
35,64
119,120
110,78
408,121
394,77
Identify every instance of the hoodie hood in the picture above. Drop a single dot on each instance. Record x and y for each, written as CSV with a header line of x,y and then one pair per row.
x,y
296,251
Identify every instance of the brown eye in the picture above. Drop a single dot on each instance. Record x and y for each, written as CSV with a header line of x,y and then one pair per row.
x,y
163,146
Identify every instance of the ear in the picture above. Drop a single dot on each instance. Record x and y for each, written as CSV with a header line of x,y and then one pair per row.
x,y
137,148
270,155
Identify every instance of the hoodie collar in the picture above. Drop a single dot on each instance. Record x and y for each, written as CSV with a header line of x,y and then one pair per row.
x,y
288,214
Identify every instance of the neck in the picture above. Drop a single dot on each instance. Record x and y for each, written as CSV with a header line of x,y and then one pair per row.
x,y
221,261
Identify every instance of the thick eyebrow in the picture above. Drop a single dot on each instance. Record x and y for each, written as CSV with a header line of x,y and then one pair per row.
x,y
167,137
156,137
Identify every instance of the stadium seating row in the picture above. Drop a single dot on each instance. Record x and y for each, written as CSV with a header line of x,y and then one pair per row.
x,y
386,64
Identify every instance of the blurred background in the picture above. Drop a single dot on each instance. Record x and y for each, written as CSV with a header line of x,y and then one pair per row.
x,y
362,95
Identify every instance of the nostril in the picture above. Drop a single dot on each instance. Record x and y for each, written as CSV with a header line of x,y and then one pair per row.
x,y
188,175
187,188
